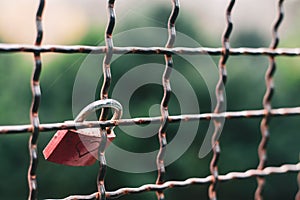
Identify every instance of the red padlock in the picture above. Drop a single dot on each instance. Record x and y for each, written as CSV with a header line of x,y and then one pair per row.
x,y
80,147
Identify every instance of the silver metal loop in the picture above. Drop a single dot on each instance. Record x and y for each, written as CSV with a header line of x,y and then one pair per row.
x,y
97,105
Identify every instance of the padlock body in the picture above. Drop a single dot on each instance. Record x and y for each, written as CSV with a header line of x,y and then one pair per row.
x,y
71,147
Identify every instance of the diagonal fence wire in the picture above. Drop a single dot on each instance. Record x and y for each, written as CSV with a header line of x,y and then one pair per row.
x,y
219,113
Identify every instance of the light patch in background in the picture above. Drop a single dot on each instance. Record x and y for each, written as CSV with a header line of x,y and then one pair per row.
x,y
65,21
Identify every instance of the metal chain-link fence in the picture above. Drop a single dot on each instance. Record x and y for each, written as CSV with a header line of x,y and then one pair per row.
x,y
36,127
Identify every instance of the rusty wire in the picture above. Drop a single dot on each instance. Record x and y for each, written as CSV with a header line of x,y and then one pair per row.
x,y
104,95
219,113
13,129
220,106
34,117
193,181
162,133
23,48
262,148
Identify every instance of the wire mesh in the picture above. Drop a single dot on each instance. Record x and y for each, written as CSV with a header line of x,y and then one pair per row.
x,y
219,113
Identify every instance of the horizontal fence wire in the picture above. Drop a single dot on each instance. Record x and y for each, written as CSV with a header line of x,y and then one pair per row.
x,y
18,48
192,181
14,129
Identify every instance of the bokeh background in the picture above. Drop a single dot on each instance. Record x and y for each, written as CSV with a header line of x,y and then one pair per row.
x,y
72,22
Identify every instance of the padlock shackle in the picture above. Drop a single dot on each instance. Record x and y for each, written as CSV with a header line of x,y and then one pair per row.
x,y
97,105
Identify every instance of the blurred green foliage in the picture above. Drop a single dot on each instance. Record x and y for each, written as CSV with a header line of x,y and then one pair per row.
x,y
239,139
